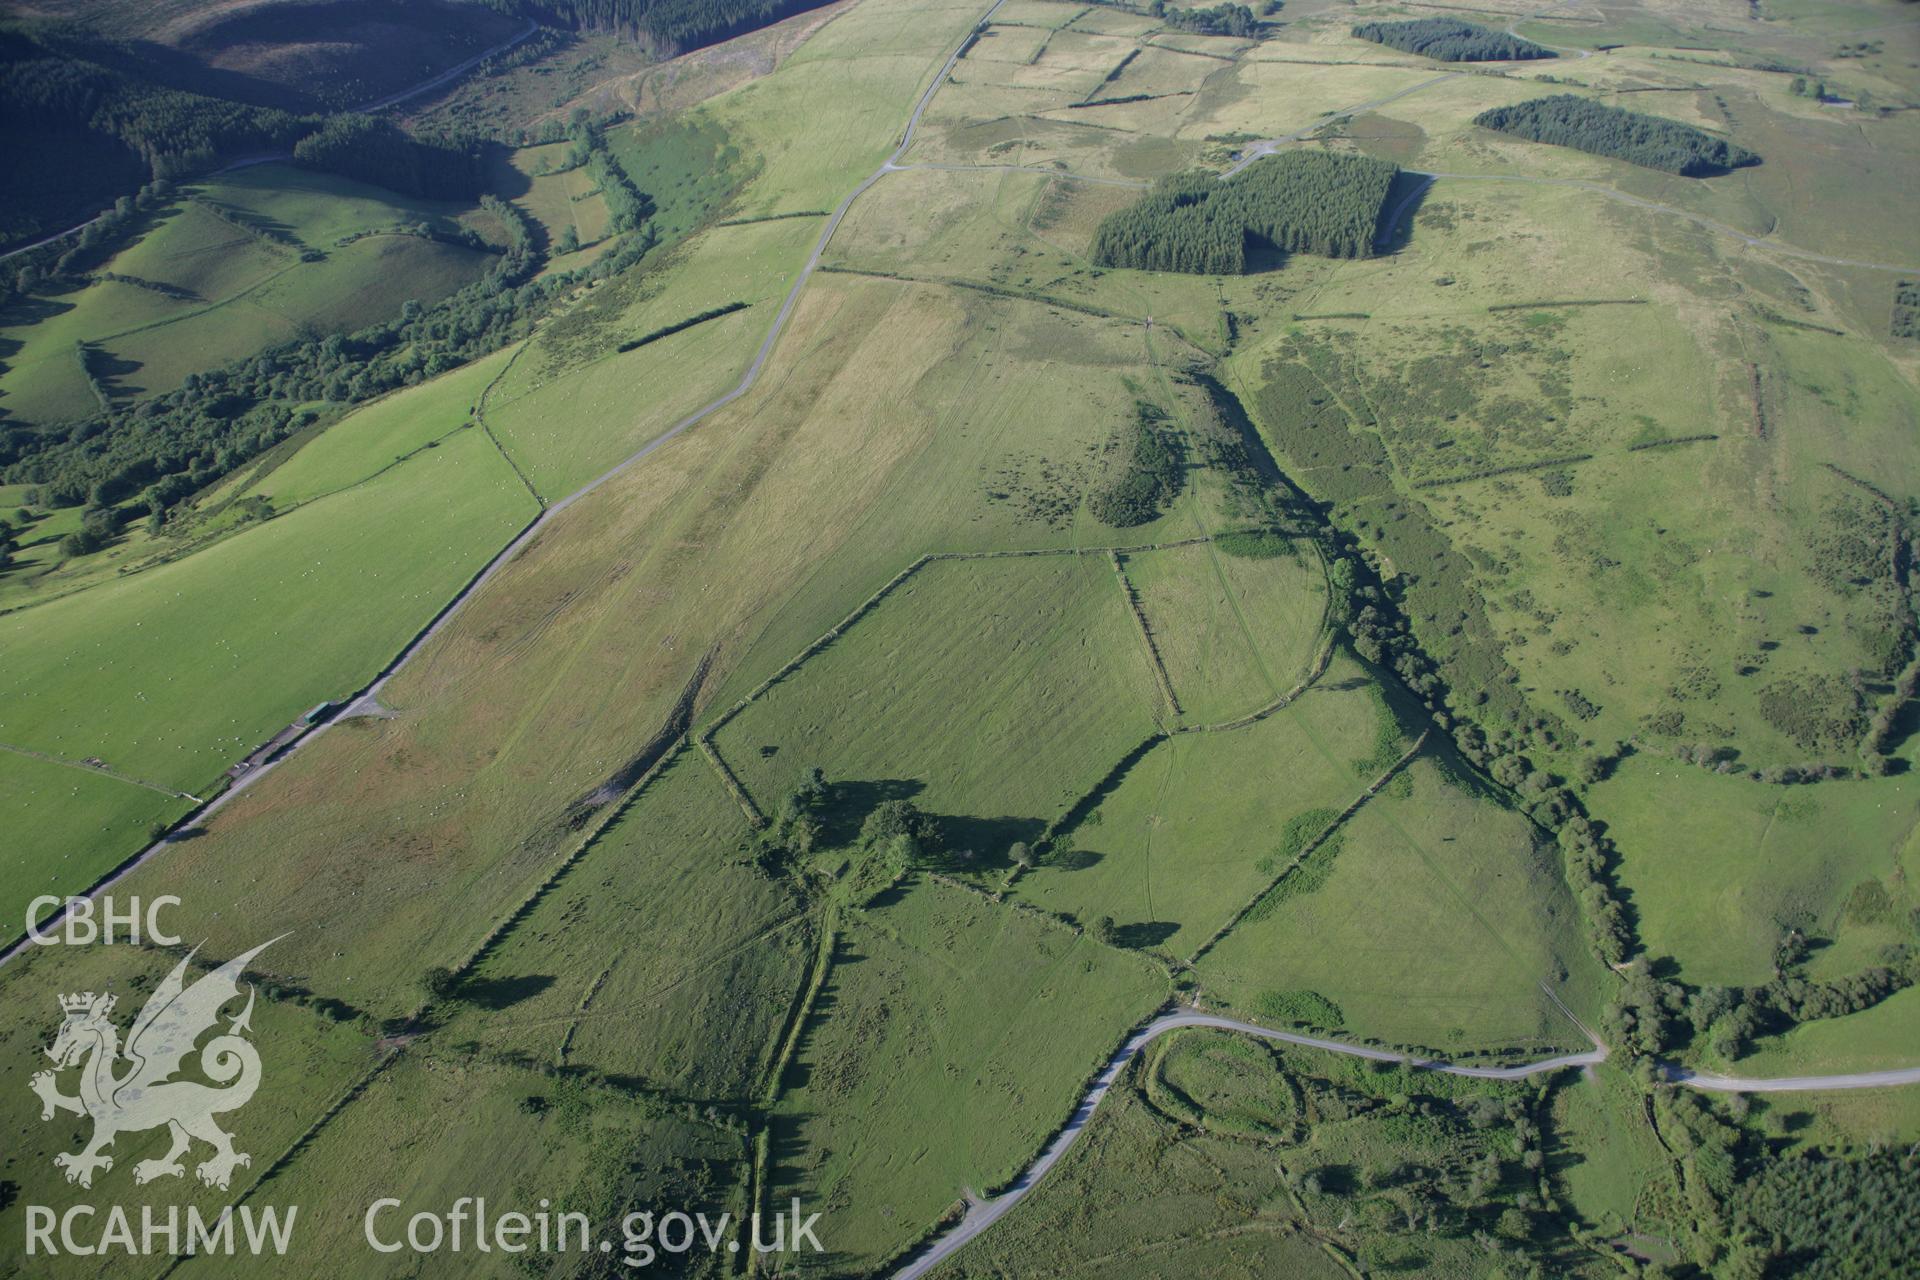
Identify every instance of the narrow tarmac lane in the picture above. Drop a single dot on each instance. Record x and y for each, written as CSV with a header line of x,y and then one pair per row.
x,y
982,1214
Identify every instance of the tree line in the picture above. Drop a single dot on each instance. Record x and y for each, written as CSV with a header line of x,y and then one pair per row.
x,y
664,26
50,82
375,151
57,88
1450,40
1221,20
1320,202
1653,141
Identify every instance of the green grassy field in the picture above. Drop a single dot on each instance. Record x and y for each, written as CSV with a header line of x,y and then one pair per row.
x,y
1199,826
1233,633
73,825
1612,1160
1719,868
1432,920
228,619
1883,1038
383,434
231,614
955,1035
1027,724
309,1058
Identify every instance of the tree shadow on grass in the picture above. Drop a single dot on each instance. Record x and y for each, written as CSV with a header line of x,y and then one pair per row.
x,y
1404,197
969,842
1146,933
847,805
502,993
1073,860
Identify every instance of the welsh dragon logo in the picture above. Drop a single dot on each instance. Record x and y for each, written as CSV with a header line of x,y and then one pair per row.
x,y
133,1089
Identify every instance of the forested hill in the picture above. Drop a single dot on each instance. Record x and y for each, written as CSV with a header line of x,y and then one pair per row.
x,y
664,26
1653,141
1319,202
1450,40
79,133
53,84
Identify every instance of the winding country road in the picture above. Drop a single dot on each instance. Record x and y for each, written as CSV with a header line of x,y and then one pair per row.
x,y
450,74
1792,1084
982,1214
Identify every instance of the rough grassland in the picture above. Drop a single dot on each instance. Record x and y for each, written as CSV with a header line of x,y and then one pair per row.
x,y
998,689
852,84
956,1034
1028,235
560,674
567,409
1437,919
435,1127
696,1006
1147,1196
1000,410
1195,1164
1234,633
896,46
1715,563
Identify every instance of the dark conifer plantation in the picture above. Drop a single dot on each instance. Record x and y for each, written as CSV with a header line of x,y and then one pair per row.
x,y
1657,143
1450,40
1319,202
